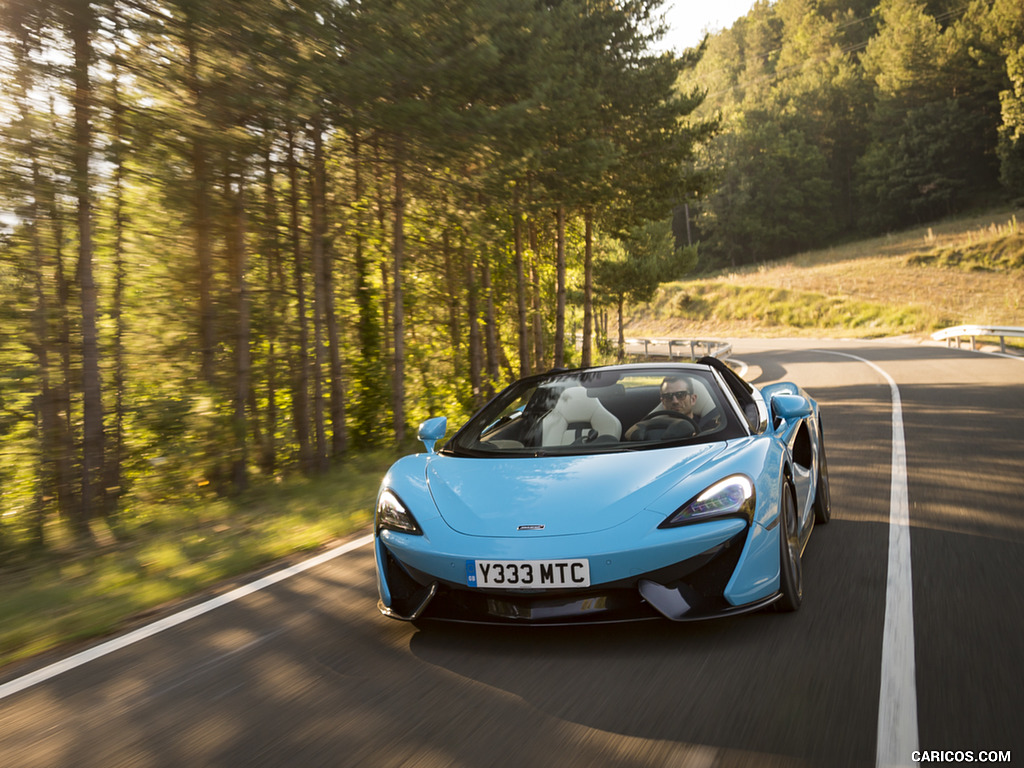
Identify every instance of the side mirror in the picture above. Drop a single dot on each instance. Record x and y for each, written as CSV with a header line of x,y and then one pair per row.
x,y
791,407
432,430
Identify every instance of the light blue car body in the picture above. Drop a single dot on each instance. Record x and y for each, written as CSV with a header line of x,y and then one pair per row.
x,y
608,508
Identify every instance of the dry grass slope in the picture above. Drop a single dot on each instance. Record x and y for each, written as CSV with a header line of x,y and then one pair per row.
x,y
961,271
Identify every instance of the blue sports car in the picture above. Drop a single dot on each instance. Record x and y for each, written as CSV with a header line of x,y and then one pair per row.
x,y
607,494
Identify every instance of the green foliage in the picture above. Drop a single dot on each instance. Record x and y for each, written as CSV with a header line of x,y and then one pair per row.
x,y
872,115
1011,132
931,139
641,262
773,200
915,174
632,268
251,191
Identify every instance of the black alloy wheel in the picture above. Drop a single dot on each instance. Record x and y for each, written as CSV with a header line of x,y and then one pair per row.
x,y
790,568
823,494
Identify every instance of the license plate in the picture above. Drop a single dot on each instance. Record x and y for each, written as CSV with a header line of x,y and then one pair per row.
x,y
528,574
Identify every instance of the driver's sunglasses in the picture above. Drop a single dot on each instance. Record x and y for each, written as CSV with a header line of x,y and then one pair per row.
x,y
675,395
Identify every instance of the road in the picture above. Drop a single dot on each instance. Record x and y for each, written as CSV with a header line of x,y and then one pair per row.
x,y
304,672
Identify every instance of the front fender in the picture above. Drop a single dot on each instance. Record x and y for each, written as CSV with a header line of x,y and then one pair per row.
x,y
407,478
756,576
757,572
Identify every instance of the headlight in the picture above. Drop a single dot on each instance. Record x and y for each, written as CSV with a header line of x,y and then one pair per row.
x,y
391,513
733,496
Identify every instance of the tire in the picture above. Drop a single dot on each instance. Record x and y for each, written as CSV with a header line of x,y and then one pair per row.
x,y
823,494
791,576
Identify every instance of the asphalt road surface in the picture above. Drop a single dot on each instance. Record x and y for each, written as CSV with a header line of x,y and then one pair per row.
x,y
304,672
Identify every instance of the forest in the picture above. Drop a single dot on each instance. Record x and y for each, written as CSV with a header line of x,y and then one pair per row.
x,y
242,240
842,119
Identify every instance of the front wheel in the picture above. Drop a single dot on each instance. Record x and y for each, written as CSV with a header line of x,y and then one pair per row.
x,y
791,574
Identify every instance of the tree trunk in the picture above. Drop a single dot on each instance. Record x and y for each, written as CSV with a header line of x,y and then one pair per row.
x,y
587,358
452,297
319,295
381,172
300,364
454,257
115,457
339,426
386,325
49,441
398,256
68,492
622,332
92,392
372,398
490,331
524,334
275,272
240,289
476,355
51,446
202,218
339,429
539,350
369,340
560,289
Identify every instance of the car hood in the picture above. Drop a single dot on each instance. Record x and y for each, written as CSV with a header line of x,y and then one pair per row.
x,y
556,496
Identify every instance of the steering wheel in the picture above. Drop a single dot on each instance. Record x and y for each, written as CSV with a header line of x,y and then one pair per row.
x,y
665,425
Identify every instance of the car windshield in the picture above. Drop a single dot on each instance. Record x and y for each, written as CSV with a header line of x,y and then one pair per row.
x,y
601,411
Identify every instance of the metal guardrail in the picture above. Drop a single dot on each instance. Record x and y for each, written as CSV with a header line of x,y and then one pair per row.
x,y
972,332
691,349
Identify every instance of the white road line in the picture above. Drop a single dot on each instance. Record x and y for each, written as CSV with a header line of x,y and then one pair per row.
x,y
897,697
1003,355
116,644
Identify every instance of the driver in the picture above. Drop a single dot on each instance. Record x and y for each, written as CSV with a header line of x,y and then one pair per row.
x,y
678,396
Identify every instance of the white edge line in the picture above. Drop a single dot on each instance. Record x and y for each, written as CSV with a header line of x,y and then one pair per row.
x,y
1003,355
897,697
123,641
742,372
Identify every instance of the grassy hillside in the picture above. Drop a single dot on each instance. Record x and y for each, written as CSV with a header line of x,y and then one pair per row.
x,y
968,270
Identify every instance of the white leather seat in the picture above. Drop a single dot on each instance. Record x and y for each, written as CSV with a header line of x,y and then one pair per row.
x,y
576,416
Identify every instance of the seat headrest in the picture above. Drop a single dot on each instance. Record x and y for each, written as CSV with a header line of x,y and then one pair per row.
x,y
576,408
575,405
